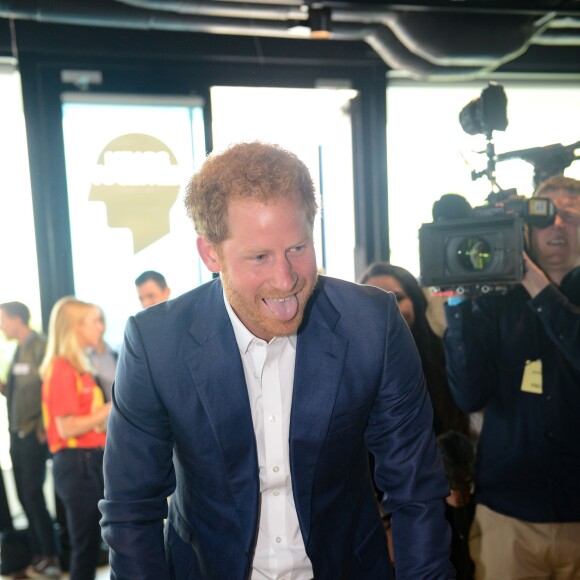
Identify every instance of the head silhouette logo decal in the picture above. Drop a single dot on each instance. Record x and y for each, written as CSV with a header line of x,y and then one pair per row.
x,y
138,179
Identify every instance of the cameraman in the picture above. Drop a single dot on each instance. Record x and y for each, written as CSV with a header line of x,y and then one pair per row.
x,y
517,357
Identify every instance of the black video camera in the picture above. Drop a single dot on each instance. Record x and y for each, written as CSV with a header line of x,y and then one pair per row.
x,y
479,249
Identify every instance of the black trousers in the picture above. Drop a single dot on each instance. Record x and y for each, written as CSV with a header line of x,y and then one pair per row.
x,y
29,466
78,481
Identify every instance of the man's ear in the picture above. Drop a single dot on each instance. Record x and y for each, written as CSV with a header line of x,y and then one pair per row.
x,y
208,254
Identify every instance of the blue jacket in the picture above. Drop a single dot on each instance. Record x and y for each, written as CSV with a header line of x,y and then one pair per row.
x,y
181,426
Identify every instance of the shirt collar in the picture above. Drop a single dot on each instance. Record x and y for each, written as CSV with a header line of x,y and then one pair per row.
x,y
244,337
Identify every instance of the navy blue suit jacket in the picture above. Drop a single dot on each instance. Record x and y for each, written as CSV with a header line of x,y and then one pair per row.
x,y
181,426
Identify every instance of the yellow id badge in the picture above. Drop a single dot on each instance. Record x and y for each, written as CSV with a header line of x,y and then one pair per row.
x,y
532,379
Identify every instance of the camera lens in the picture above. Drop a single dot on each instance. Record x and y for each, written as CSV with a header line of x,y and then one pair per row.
x,y
474,254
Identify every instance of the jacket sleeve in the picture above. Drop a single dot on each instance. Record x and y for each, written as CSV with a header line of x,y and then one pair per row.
x,y
138,468
468,339
561,321
408,467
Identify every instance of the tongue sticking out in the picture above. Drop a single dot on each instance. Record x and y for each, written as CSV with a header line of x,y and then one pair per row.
x,y
283,309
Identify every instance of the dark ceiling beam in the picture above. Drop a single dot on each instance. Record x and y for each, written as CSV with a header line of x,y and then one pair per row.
x,y
423,45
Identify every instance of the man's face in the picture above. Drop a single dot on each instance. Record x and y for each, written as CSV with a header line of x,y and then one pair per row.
x,y
8,325
558,246
151,293
267,264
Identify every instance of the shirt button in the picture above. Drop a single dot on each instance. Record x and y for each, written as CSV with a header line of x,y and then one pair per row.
x,y
548,397
539,309
275,469
561,336
276,493
272,418
278,539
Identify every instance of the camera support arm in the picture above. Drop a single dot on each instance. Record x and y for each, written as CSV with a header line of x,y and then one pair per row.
x,y
489,170
547,161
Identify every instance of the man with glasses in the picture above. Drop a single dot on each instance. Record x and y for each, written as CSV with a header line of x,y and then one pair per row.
x,y
517,358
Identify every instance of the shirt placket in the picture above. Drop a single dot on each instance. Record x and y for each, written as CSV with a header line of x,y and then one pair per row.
x,y
277,474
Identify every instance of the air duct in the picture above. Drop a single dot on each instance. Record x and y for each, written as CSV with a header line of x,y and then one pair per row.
x,y
437,45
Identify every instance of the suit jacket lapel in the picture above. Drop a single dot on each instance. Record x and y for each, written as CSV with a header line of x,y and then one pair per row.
x,y
218,375
320,358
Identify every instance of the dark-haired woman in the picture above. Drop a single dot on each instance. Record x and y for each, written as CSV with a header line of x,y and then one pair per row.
x,y
450,424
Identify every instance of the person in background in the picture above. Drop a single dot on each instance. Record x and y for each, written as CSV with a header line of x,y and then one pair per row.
x,y
450,424
103,360
413,306
28,448
152,288
254,400
517,356
74,416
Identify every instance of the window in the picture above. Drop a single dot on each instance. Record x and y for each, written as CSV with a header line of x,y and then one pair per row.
x,y
429,154
17,239
127,160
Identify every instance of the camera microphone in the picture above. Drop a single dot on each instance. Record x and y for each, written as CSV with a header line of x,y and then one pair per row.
x,y
451,206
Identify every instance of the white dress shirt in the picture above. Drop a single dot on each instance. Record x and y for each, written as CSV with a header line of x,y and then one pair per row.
x,y
269,370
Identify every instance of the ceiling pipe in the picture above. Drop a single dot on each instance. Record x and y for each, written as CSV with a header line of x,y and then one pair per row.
x,y
344,12
558,37
398,57
490,40
500,42
223,9
115,15
565,22
410,56
281,2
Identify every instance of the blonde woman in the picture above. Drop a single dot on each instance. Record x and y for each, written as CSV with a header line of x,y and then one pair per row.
x,y
74,414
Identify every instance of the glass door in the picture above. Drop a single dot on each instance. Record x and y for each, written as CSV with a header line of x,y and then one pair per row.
x,y
127,161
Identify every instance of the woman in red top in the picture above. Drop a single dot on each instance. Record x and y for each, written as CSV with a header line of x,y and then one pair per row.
x,y
75,417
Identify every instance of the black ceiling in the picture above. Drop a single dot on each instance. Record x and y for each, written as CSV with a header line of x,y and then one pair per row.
x,y
431,40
